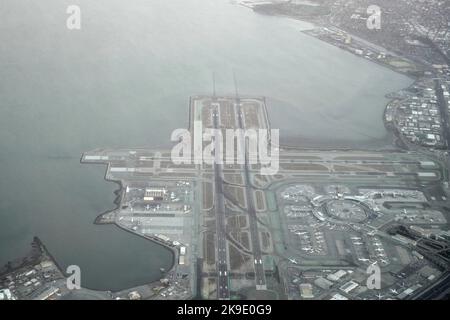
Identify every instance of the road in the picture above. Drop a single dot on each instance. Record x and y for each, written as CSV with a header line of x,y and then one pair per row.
x,y
444,111
436,291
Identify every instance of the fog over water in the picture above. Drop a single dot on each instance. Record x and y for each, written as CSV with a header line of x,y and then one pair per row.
x,y
124,80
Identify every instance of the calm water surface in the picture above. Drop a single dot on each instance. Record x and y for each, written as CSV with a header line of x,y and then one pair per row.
x,y
124,80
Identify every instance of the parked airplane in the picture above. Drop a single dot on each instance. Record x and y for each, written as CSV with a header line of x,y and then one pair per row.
x,y
363,259
377,244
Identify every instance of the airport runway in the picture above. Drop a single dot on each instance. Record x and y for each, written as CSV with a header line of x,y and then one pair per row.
x,y
256,248
223,291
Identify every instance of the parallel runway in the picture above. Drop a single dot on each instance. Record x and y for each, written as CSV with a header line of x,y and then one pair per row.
x,y
256,248
223,291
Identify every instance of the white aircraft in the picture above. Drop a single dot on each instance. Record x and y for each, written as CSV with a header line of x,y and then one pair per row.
x,y
293,261
379,296
363,259
393,291
377,244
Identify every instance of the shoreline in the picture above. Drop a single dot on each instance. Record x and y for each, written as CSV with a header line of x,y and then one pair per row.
x,y
393,136
100,220
398,141
38,252
385,65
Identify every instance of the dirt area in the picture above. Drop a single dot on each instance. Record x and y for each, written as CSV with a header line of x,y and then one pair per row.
x,y
260,201
303,166
235,194
208,195
210,248
233,178
227,113
237,259
251,119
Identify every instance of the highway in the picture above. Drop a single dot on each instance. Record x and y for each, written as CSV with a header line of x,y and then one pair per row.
x,y
223,291
444,112
436,291
256,248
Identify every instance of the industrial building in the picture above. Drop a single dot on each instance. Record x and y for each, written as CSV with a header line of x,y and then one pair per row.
x,y
154,194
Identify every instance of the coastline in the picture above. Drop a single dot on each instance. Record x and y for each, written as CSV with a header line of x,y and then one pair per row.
x,y
414,70
101,220
37,253
398,141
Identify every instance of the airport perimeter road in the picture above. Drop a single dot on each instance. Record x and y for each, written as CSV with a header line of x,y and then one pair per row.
x,y
257,255
435,292
223,291
445,115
